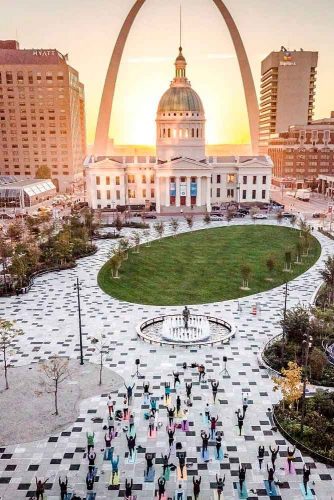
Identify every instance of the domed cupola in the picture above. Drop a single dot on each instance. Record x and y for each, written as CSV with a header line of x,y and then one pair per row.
x,y
180,118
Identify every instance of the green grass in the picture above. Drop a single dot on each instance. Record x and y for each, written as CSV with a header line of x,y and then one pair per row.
x,y
204,266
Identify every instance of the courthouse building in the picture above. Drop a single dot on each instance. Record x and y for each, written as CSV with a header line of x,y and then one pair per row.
x,y
180,175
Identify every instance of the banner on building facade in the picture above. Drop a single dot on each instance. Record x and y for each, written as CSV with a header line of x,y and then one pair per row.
x,y
183,189
172,188
193,189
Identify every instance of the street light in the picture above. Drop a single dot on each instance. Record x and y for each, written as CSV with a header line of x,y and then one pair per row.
x,y
306,346
77,288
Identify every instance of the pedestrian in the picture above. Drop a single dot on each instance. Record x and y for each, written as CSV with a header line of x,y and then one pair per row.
x,y
244,406
167,391
111,423
151,424
306,476
40,488
205,442
153,404
291,456
242,476
128,488
214,387
178,405
125,408
146,387
129,391
240,421
161,486
207,412
274,453
185,419
218,443
63,488
131,422
197,486
114,465
220,485
270,477
107,440
179,493
182,461
213,425
260,455
171,413
91,459
188,389
176,378
149,462
201,373
165,463
131,444
171,433
110,405
90,440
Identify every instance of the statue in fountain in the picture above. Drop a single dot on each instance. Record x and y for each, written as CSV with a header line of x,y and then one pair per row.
x,y
186,314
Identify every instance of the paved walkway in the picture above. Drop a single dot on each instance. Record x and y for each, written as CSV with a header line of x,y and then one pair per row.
x,y
48,316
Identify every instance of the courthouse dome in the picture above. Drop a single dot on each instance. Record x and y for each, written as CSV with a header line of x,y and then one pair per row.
x,y
180,96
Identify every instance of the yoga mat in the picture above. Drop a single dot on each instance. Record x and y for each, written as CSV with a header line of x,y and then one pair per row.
x,y
243,493
308,495
205,419
163,497
167,474
221,454
185,426
205,455
132,460
91,495
108,453
217,497
185,475
114,480
273,490
149,478
153,435
127,416
132,432
286,468
179,414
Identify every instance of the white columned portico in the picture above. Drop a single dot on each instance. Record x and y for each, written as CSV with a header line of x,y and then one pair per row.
x,y
188,197
199,192
167,197
157,194
177,195
208,194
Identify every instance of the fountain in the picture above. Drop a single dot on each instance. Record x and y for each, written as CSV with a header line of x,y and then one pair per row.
x,y
175,328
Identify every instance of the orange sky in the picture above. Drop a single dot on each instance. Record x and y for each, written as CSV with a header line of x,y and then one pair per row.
x,y
87,31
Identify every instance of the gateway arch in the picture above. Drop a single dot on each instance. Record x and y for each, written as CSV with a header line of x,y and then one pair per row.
x,y
103,122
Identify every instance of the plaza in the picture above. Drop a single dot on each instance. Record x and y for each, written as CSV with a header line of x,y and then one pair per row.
x,y
48,316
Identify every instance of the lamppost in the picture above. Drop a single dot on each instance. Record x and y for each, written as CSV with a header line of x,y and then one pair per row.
x,y
284,320
77,288
306,346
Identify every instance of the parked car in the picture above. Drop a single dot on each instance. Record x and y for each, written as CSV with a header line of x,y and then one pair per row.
x,y
287,215
6,216
215,217
239,214
149,215
318,215
277,204
260,216
244,211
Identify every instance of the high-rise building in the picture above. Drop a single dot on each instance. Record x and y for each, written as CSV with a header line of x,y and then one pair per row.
x,y
42,116
287,92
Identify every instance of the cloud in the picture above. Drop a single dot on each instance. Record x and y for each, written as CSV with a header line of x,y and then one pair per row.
x,y
221,56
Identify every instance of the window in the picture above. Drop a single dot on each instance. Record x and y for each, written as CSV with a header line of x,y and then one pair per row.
x,y
244,179
263,194
131,179
152,193
98,194
218,179
118,183
254,179
144,193
264,179
168,132
230,193
254,194
9,77
244,194
118,194
131,194
152,179
218,192
98,180
108,181
143,179
230,177
108,194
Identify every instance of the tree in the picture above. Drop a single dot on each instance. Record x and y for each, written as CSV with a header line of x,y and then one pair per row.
x,y
159,228
174,225
299,251
54,371
293,220
15,231
317,362
115,264
190,221
279,217
124,246
147,235
290,384
206,218
230,214
8,334
287,261
118,223
19,268
296,323
327,275
271,264
6,251
245,271
102,348
136,238
43,172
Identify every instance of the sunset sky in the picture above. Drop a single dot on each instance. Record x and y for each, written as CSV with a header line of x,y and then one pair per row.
x,y
87,30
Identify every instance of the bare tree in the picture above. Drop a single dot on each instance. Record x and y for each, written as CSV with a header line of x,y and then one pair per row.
x,y
206,218
136,238
147,235
190,221
245,271
174,224
54,371
159,228
8,333
101,346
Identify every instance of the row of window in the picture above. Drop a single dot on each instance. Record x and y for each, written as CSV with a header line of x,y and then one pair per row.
x,y
130,178
9,77
181,133
230,193
131,194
